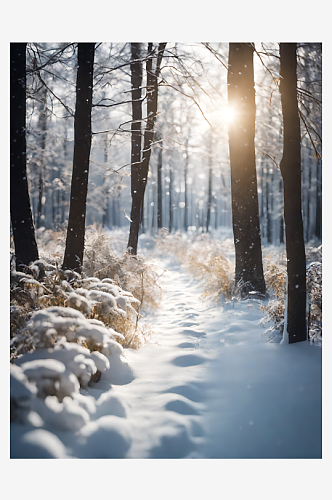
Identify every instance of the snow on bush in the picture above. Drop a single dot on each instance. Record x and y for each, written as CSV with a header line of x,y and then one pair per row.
x,y
48,381
130,272
68,330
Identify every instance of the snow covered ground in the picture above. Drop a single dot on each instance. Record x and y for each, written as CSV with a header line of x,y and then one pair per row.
x,y
208,385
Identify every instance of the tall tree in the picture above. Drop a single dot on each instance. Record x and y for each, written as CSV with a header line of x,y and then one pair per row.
x,y
186,164
20,209
241,131
136,140
290,168
82,144
170,224
43,127
140,173
208,215
159,183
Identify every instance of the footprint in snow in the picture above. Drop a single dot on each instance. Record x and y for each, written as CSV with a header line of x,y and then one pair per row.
x,y
191,316
175,443
187,345
188,360
181,407
193,333
188,323
189,392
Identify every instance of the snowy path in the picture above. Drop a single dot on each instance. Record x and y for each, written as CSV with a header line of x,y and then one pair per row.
x,y
208,385
167,395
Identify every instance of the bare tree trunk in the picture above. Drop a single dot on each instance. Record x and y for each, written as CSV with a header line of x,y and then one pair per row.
x,y
268,209
186,208
136,140
141,174
208,215
318,226
281,217
290,168
170,227
26,249
43,125
215,213
308,201
82,144
247,239
159,182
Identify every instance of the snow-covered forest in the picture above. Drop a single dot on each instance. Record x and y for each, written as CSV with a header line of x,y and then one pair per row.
x,y
166,250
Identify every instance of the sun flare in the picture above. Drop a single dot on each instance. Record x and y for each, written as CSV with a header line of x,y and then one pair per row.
x,y
229,115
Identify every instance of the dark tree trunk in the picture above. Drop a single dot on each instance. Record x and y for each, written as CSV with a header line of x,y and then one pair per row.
x,y
308,235
247,239
290,168
136,140
281,218
20,209
82,144
318,226
261,204
43,125
140,177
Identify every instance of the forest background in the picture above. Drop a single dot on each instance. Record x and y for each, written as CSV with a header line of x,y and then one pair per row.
x,y
282,22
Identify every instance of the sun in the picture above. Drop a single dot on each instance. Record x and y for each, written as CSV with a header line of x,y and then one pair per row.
x,y
229,115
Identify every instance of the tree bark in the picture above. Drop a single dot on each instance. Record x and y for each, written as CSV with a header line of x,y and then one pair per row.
x,y
241,96
290,168
43,128
308,202
139,180
136,139
26,249
318,222
73,258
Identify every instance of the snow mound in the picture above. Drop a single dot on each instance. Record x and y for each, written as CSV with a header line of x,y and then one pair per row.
x,y
108,404
67,415
63,370
37,443
107,437
21,394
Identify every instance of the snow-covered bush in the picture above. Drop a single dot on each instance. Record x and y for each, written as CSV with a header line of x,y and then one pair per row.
x,y
314,284
104,302
69,328
62,370
130,272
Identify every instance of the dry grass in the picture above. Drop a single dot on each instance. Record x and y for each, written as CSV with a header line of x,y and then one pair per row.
x,y
275,278
204,258
130,272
